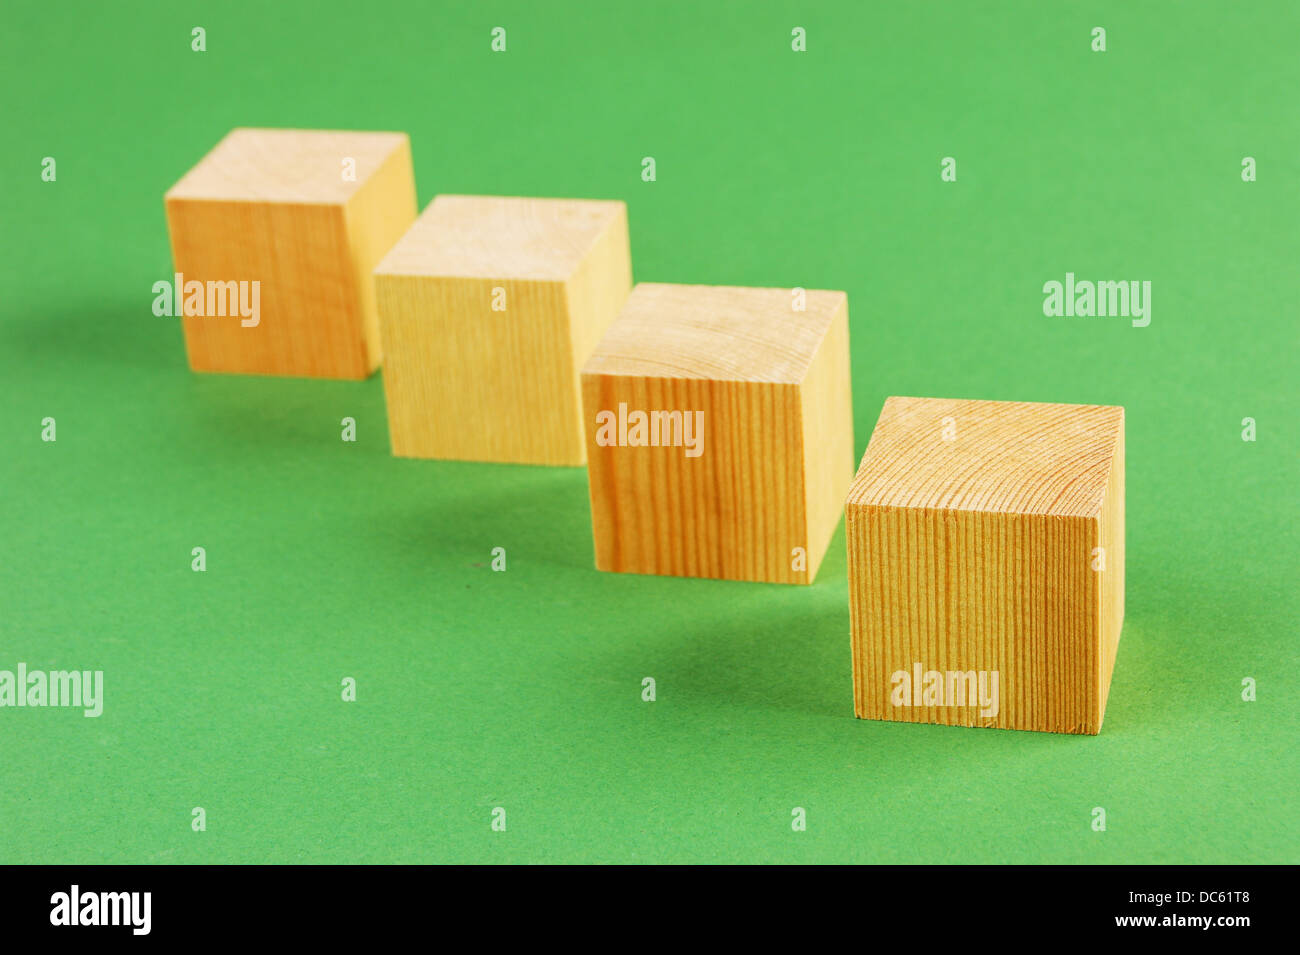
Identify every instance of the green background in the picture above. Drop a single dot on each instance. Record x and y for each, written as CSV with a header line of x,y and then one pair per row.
x,y
522,689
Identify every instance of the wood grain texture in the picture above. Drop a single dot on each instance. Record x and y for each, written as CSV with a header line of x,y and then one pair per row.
x,y
274,206
974,530
771,386
465,381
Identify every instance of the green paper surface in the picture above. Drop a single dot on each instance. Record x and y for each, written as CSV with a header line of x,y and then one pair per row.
x,y
479,689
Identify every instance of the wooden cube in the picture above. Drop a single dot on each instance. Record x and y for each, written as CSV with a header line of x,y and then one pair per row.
x,y
305,216
719,430
488,307
986,564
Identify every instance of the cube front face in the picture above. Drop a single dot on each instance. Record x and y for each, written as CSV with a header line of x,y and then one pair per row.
x,y
698,475
309,322
466,383
986,564
938,596
487,308
725,501
263,217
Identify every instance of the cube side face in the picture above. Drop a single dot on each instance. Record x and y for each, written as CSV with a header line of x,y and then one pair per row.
x,y
310,322
1110,621
470,382
732,508
827,412
378,214
599,287
953,606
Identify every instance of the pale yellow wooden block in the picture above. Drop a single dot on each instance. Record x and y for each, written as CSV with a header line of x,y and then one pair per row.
x,y
754,491
986,539
488,307
306,214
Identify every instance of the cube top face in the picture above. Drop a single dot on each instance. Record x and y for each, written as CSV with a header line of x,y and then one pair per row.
x,y
287,165
502,237
717,333
993,456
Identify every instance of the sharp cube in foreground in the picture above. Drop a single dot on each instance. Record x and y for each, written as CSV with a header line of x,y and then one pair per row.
x,y
986,564
719,430
488,307
274,235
